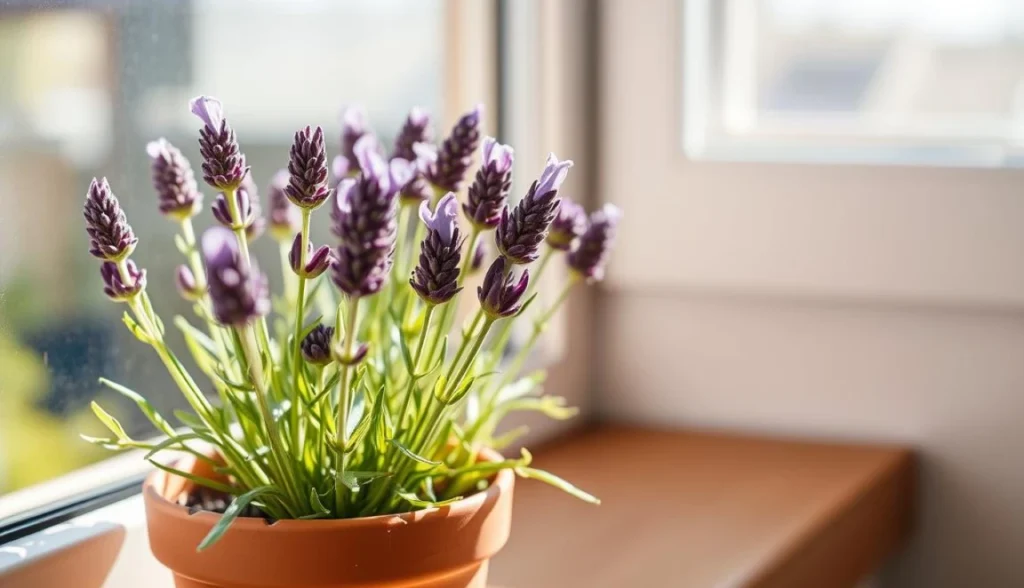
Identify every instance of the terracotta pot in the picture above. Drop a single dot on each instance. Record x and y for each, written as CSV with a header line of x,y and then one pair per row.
x,y
447,547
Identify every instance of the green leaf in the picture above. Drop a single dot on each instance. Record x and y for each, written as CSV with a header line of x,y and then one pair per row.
x,y
105,443
440,385
462,390
172,440
110,422
181,245
526,305
383,430
147,409
232,512
357,434
309,328
503,441
190,420
316,503
414,456
136,329
549,478
522,387
414,500
352,479
208,483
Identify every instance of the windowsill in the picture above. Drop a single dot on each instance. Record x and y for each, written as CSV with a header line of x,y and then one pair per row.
x,y
679,509
696,509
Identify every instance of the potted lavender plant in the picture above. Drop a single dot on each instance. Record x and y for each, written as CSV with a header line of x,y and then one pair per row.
x,y
347,438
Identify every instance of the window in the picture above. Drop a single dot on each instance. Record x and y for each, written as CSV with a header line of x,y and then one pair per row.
x,y
85,86
935,82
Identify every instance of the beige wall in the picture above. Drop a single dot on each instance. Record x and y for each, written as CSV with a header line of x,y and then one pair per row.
x,y
851,302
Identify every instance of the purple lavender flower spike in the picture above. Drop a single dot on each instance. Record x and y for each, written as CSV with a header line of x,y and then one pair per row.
x,y
354,127
239,293
418,189
186,283
498,296
456,153
118,287
224,165
442,219
489,190
589,258
570,222
415,130
174,181
110,236
317,261
307,164
521,232
339,169
436,277
364,221
316,347
284,218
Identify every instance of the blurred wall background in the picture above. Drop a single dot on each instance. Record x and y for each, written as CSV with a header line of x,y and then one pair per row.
x,y
866,286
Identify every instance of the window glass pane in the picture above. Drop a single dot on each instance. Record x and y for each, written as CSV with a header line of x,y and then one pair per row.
x,y
922,81
85,86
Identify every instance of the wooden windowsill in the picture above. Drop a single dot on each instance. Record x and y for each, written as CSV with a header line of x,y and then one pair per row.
x,y
707,510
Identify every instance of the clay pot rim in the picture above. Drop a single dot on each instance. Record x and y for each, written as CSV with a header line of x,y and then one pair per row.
x,y
501,483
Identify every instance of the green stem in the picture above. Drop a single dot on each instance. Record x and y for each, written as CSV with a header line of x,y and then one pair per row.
x,y
300,304
415,365
344,401
278,455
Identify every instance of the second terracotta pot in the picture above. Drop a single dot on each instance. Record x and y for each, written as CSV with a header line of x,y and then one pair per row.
x,y
446,547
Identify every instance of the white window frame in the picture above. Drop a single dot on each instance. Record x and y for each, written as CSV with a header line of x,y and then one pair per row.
x,y
940,236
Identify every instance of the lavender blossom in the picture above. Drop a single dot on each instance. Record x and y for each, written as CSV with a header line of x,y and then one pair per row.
x,y
570,222
436,277
316,262
521,232
307,164
498,296
339,170
354,127
284,218
589,259
316,347
239,293
126,287
418,189
415,130
110,236
456,153
173,180
186,283
224,165
488,192
364,221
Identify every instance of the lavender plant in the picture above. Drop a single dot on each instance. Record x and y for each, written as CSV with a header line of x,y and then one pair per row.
x,y
376,404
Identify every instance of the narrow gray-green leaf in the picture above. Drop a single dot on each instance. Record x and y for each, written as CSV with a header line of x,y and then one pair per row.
x,y
234,509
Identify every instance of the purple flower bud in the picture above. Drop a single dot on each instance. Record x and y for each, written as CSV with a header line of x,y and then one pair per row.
x,y
316,347
307,164
175,184
488,192
224,165
247,208
185,280
479,252
316,262
354,127
553,175
415,130
442,220
339,169
110,236
436,277
589,259
570,222
118,287
239,293
285,219
364,220
498,296
357,356
521,232
456,153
